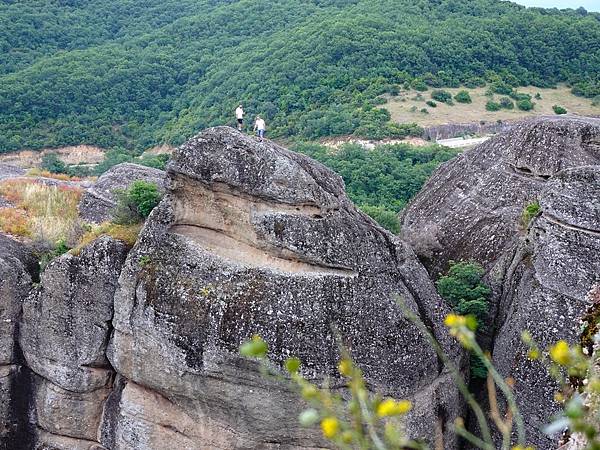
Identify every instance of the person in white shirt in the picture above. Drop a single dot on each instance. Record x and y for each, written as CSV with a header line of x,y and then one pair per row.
x,y
239,115
260,127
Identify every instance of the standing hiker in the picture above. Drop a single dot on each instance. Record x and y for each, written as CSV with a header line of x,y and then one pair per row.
x,y
260,127
239,115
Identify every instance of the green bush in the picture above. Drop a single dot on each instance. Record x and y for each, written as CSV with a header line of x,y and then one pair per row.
x,y
52,163
559,110
506,103
464,291
463,97
157,162
474,82
501,88
419,85
387,218
492,106
136,202
112,158
59,248
525,104
431,103
519,96
441,96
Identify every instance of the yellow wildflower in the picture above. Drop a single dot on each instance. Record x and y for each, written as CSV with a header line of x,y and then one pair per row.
x,y
560,353
330,427
533,354
453,320
345,367
390,407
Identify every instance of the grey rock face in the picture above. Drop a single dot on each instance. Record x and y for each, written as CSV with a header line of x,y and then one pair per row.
x,y
17,267
65,329
99,201
471,207
66,321
546,288
251,238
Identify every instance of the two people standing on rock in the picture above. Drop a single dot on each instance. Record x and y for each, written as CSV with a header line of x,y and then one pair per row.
x,y
259,123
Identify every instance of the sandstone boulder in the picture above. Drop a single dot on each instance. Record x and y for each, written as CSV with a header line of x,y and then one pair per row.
x,y
99,201
253,239
471,207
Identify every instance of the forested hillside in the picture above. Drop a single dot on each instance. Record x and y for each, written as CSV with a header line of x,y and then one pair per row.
x,y
132,74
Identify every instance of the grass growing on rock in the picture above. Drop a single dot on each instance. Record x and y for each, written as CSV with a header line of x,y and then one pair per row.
x,y
125,233
530,211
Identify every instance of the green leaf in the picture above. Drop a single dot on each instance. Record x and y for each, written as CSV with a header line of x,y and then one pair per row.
x,y
254,348
292,365
308,417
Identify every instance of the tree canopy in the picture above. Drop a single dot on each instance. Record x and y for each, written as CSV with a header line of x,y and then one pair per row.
x,y
133,74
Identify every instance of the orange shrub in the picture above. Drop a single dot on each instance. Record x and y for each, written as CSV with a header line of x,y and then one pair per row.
x,y
12,190
14,221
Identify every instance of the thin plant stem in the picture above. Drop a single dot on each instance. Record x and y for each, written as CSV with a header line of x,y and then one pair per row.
x,y
472,438
458,379
369,419
506,390
505,426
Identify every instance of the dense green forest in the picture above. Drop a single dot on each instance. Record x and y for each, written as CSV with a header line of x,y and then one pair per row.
x,y
381,182
125,73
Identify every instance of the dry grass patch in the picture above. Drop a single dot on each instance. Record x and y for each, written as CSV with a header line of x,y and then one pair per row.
x,y
125,233
14,221
35,172
44,213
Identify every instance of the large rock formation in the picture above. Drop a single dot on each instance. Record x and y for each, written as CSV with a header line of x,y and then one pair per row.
x,y
472,209
139,350
545,289
99,201
64,332
17,268
251,238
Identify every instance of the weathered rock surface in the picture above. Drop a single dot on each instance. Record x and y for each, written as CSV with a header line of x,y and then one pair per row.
x,y
17,268
99,201
251,238
10,171
546,286
64,333
471,207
